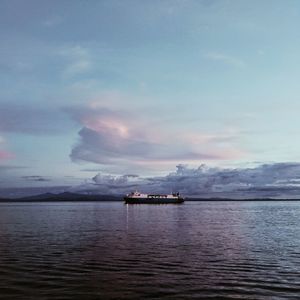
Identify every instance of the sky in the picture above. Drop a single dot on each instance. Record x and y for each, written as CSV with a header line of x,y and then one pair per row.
x,y
106,96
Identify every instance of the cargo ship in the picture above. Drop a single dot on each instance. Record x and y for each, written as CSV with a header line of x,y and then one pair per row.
x,y
139,198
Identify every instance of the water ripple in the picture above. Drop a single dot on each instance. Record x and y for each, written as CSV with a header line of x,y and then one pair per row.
x,y
111,251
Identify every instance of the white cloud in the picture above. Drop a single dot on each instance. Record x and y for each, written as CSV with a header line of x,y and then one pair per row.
x,y
79,60
226,59
53,21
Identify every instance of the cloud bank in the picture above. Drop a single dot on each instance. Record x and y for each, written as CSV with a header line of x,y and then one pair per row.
x,y
133,141
278,180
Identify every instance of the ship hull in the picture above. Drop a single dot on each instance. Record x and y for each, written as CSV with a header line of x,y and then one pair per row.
x,y
130,200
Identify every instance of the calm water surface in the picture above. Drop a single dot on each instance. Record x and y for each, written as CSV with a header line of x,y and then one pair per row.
x,y
217,250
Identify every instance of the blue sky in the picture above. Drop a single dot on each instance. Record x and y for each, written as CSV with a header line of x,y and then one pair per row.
x,y
139,87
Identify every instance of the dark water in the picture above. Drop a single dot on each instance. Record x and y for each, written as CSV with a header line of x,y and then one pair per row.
x,y
217,250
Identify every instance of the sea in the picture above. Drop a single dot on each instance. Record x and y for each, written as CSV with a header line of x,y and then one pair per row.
x,y
110,250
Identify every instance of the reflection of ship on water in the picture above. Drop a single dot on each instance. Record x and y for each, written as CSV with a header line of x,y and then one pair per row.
x,y
139,198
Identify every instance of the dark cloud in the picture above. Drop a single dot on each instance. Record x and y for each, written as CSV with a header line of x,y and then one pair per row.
x,y
11,167
91,170
278,180
131,176
34,120
36,178
110,180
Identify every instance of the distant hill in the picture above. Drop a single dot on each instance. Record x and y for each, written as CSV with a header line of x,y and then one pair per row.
x,y
66,196
237,199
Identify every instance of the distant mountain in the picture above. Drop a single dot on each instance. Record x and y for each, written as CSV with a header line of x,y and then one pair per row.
x,y
66,196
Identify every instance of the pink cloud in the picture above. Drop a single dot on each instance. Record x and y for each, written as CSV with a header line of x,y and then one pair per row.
x,y
111,137
4,155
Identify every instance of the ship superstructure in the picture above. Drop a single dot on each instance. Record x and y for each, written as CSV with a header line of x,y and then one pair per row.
x,y
137,197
